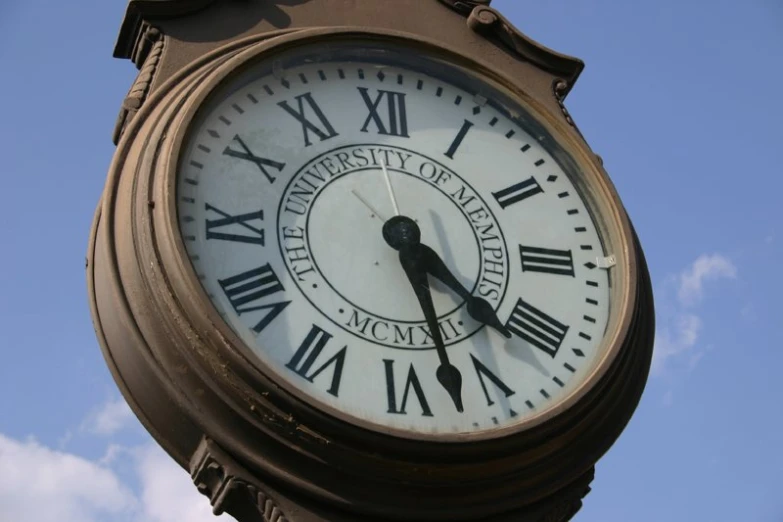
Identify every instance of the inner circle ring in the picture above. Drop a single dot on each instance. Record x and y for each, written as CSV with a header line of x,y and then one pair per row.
x,y
479,247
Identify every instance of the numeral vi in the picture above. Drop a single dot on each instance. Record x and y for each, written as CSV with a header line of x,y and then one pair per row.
x,y
411,383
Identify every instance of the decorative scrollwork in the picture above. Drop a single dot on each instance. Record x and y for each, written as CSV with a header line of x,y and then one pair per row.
x,y
146,54
464,7
489,23
228,486
559,90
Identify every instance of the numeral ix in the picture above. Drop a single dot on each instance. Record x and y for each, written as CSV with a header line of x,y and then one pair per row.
x,y
216,228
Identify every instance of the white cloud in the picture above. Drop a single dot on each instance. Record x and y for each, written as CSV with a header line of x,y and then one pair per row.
x,y
168,494
679,321
113,416
38,484
706,267
672,340
42,485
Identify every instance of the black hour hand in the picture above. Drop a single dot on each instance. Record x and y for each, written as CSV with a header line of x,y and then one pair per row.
x,y
478,308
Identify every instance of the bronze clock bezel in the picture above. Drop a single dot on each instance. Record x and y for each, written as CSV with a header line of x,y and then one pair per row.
x,y
249,372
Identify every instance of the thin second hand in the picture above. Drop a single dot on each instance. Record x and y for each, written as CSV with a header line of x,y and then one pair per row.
x,y
391,190
367,204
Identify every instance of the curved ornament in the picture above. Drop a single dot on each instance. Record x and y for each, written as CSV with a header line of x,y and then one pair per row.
x,y
140,11
494,26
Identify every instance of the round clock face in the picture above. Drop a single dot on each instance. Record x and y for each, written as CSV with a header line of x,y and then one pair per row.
x,y
395,240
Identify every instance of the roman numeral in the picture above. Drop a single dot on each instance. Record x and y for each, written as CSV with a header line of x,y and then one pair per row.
x,y
537,328
256,235
518,192
321,128
458,140
546,260
395,122
412,382
245,290
482,372
307,354
261,163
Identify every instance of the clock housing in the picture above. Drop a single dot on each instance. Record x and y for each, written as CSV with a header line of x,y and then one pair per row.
x,y
199,388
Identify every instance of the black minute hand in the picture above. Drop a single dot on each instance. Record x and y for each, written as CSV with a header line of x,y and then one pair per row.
x,y
402,234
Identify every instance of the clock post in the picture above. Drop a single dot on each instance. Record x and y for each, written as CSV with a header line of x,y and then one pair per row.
x,y
354,262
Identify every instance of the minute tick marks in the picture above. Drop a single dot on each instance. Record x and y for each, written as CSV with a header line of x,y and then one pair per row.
x,y
285,180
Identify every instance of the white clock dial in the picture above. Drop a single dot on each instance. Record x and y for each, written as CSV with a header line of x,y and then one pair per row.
x,y
282,198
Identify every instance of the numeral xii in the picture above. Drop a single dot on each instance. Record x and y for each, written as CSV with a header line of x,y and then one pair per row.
x,y
393,121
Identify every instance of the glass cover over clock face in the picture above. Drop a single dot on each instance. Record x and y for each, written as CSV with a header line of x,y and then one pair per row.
x,y
395,240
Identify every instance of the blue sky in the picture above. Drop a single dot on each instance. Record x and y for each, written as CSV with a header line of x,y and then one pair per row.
x,y
679,97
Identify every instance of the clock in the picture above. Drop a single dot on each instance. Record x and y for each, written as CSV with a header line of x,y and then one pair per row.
x,y
297,169
356,262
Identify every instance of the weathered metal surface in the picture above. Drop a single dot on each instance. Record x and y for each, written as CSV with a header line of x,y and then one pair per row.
x,y
252,447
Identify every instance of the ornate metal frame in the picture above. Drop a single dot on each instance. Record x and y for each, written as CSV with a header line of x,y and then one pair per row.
x,y
254,448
